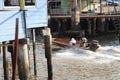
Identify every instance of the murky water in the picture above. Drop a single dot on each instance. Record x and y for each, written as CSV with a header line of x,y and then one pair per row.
x,y
79,64
109,52
88,65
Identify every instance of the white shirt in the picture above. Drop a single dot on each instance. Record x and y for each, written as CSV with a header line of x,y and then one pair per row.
x,y
84,39
72,41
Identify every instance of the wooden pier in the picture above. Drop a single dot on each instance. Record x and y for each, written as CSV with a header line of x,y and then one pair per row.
x,y
84,16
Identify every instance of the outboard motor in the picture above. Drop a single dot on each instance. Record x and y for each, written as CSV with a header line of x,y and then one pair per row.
x,y
94,45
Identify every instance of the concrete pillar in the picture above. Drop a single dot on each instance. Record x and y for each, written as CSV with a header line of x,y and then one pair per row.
x,y
23,60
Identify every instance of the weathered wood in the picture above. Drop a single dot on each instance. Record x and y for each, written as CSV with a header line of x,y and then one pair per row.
x,y
23,60
100,25
5,63
6,44
16,49
11,50
34,51
22,4
94,26
100,6
89,27
59,26
119,36
48,51
0,49
86,16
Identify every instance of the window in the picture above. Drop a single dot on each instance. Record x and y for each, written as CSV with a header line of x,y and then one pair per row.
x,y
55,5
29,2
11,2
16,2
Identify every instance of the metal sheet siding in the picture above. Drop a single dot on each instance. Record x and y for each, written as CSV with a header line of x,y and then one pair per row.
x,y
36,16
1,4
8,24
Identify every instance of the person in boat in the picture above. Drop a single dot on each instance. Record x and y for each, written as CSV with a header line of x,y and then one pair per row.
x,y
83,41
72,42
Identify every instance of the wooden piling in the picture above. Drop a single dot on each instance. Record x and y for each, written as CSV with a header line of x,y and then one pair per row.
x,y
11,50
59,26
0,49
100,25
5,63
34,51
48,51
89,27
75,18
16,49
94,26
119,36
23,61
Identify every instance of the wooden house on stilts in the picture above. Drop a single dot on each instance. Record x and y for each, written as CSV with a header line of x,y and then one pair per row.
x,y
25,14
87,15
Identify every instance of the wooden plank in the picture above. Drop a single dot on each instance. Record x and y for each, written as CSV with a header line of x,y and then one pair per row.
x,y
88,16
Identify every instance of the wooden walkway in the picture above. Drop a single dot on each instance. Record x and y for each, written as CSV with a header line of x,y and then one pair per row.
x,y
85,16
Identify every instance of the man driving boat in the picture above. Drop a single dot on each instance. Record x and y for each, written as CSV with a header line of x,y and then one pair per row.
x,y
83,40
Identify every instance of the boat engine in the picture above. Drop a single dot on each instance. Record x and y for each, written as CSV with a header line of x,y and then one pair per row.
x,y
94,45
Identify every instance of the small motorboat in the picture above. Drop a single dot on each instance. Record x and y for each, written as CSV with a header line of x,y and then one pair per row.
x,y
93,45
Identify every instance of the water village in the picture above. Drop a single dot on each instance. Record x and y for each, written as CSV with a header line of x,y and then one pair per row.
x,y
22,20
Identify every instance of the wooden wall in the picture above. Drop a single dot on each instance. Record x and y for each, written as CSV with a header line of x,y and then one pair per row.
x,y
36,16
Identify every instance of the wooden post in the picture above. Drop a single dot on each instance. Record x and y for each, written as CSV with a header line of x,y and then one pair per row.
x,y
94,26
11,50
23,61
119,36
48,51
100,7
59,26
75,16
89,27
5,64
103,23
16,49
22,8
34,51
100,26
22,4
94,6
0,48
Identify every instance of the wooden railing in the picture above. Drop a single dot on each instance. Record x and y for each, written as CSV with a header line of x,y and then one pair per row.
x,y
61,11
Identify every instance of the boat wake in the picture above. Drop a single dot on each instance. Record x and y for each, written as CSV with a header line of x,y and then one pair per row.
x,y
106,52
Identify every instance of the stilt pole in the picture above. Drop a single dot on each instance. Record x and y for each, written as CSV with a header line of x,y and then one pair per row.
x,y
23,60
34,51
16,49
48,51
5,64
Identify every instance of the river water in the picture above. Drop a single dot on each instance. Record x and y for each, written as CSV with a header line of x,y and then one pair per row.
x,y
79,64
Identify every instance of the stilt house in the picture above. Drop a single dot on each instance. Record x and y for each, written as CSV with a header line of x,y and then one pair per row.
x,y
31,14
